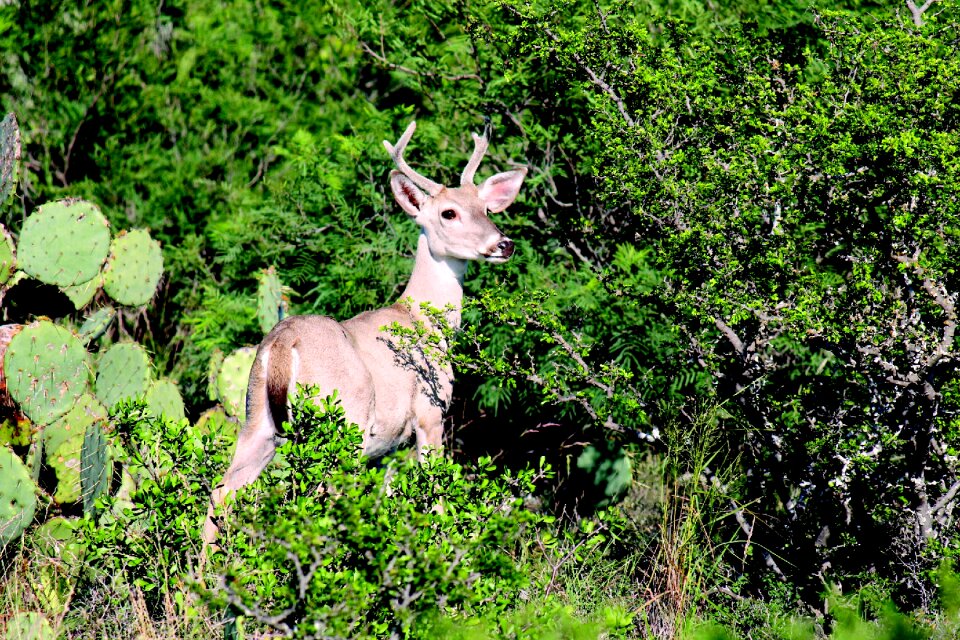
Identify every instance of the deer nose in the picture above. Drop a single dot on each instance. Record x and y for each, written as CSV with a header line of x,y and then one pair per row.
x,y
505,247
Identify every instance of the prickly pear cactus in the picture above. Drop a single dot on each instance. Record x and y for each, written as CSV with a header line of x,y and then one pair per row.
x,y
63,444
54,558
14,431
81,294
9,156
7,331
134,269
29,626
232,381
18,496
65,462
94,467
8,256
97,324
64,243
123,372
34,459
271,307
216,422
213,371
163,398
45,369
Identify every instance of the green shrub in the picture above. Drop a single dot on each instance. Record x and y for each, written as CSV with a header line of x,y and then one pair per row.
x,y
351,549
324,543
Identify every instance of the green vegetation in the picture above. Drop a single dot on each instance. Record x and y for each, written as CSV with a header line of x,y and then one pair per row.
x,y
714,393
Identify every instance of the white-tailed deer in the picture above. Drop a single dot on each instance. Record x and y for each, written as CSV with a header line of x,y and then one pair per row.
x,y
390,395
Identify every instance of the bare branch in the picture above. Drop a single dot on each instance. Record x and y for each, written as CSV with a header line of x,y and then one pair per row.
x,y
732,336
943,299
382,59
946,499
917,12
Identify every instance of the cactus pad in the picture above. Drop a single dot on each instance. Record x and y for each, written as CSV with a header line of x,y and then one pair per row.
x,y
8,255
9,156
81,294
64,243
55,557
18,496
45,369
97,324
134,268
122,373
271,306
63,444
217,423
213,371
95,469
15,431
29,626
163,398
7,331
232,381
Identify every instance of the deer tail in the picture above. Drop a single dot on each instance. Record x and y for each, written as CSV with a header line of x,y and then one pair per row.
x,y
280,375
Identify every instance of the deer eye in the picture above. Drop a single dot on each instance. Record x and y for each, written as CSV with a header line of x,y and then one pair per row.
x,y
448,214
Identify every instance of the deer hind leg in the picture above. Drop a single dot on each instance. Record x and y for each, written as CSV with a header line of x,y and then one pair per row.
x,y
256,445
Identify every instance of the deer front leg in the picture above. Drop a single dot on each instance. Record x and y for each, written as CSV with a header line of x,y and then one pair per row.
x,y
429,432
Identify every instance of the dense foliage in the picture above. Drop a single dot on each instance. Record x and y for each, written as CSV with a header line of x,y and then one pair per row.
x,y
731,312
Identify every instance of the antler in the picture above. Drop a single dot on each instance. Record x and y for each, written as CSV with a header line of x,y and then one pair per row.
x,y
396,152
480,144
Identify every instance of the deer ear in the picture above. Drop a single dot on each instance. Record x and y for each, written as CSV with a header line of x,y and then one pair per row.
x,y
498,192
408,195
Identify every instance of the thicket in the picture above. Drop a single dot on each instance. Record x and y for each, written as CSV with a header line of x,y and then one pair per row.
x,y
730,317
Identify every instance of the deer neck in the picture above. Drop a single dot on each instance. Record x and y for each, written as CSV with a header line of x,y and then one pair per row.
x,y
437,282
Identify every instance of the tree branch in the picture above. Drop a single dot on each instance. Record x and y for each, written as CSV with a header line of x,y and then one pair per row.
x,y
946,499
732,336
382,59
917,12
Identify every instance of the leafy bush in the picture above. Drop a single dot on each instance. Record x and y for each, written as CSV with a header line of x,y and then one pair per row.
x,y
324,544
800,204
741,215
356,550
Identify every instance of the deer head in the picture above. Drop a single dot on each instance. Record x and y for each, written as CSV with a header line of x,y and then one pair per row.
x,y
454,219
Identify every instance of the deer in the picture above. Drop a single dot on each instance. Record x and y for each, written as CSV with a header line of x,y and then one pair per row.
x,y
391,396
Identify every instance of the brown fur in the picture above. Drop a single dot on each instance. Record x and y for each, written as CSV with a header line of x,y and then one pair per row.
x,y
391,390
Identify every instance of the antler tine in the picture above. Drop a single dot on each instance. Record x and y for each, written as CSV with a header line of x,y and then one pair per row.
x,y
480,144
396,152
